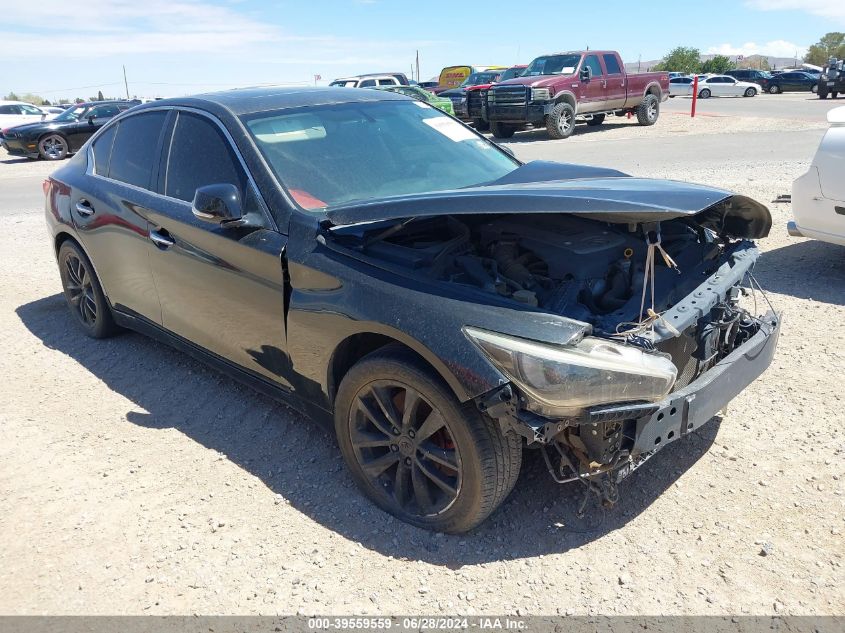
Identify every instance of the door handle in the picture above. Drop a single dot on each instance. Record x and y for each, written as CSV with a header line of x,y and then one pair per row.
x,y
84,208
161,238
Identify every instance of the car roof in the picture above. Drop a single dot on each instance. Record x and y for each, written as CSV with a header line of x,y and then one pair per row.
x,y
5,102
262,99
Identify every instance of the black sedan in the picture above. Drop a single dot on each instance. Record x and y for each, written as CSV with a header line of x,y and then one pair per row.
x,y
793,82
64,135
377,264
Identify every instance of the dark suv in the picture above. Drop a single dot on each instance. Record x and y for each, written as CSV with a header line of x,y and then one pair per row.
x,y
761,77
370,260
56,138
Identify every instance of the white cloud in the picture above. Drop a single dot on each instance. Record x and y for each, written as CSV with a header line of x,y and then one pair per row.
x,y
775,48
834,9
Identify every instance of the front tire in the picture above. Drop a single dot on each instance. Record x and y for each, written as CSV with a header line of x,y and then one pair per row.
x,y
561,121
481,125
53,147
704,94
773,90
822,91
84,294
415,451
649,110
502,130
751,92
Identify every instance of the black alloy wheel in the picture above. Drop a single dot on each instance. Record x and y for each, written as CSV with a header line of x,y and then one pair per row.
x,y
404,445
83,292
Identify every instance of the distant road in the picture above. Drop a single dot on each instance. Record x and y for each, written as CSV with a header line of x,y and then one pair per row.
x,y
798,106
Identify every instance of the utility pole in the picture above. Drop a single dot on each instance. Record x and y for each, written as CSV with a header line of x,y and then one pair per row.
x,y
418,65
125,83
639,60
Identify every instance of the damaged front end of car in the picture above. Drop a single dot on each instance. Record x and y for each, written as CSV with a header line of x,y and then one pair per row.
x,y
657,274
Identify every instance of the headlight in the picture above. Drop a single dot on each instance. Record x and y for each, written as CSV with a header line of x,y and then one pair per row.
x,y
540,94
560,381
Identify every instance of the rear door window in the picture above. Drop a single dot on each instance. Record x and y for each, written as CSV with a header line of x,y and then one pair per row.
x,y
367,83
200,155
612,65
134,151
102,151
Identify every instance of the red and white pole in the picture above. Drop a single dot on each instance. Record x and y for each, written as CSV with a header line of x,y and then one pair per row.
x,y
694,95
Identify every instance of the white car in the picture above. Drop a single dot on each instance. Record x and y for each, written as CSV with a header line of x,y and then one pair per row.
x,y
680,86
818,197
724,86
366,81
14,113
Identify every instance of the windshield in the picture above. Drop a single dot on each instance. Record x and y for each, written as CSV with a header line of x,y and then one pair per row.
x,y
510,73
330,155
71,114
480,78
553,65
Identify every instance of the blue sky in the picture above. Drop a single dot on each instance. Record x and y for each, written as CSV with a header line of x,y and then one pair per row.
x,y
175,47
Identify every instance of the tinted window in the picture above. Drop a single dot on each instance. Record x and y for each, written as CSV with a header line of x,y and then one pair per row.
x,y
386,82
612,65
134,150
367,83
103,112
592,62
102,151
10,109
199,155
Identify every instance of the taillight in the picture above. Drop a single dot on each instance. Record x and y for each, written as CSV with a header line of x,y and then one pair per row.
x,y
45,187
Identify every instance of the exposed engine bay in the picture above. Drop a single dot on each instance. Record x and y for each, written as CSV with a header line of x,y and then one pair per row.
x,y
632,282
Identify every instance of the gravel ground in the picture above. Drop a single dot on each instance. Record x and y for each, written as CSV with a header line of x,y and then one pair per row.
x,y
135,480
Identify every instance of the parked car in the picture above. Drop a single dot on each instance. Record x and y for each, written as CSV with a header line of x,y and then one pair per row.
x,y
453,76
376,263
818,197
54,110
831,80
759,77
419,94
371,80
793,82
725,86
427,85
680,86
557,89
473,107
458,95
57,138
14,113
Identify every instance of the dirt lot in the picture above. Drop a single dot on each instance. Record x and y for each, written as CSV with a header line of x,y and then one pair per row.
x,y
135,480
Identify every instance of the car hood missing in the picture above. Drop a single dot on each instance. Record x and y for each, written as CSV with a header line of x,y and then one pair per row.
x,y
600,194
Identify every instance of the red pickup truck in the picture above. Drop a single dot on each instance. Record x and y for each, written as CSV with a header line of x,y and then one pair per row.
x,y
557,89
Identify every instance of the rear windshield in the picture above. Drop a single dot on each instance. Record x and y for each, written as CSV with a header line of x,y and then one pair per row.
x,y
330,155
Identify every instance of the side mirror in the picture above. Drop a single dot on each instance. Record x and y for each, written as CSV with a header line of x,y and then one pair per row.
x,y
586,73
218,204
91,118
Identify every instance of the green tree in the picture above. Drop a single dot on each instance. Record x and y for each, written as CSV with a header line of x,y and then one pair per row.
x,y
33,99
11,97
682,59
100,96
830,45
718,65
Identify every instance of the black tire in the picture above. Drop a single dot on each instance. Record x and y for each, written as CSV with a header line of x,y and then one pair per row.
x,y
822,91
833,95
481,125
487,459
750,92
53,147
773,90
597,119
561,121
502,130
704,94
83,292
649,110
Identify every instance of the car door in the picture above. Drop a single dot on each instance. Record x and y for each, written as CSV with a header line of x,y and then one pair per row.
x,y
110,211
11,115
731,86
220,288
594,90
617,92
31,114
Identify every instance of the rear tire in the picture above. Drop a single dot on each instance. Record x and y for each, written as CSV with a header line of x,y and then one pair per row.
x,y
561,121
773,90
502,130
649,110
83,292
597,120
476,463
704,94
834,95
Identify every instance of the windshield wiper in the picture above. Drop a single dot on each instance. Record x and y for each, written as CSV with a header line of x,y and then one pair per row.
x,y
392,230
